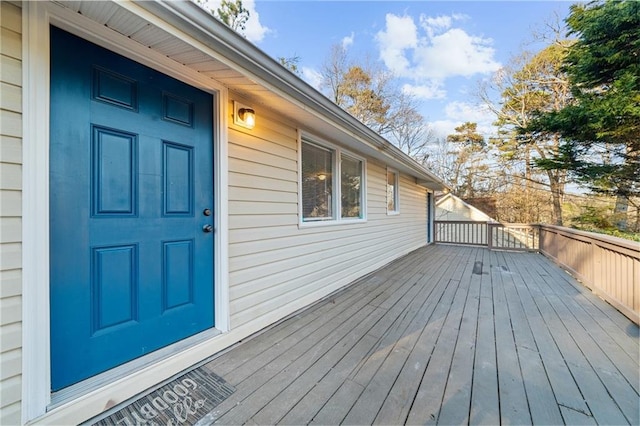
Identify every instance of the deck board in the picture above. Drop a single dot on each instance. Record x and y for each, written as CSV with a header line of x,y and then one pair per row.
x,y
485,405
457,396
445,335
513,399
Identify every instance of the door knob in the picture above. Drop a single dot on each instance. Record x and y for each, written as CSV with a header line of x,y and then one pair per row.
x,y
207,228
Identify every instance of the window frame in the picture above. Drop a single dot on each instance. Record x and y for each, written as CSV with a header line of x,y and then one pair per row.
x,y
396,193
336,181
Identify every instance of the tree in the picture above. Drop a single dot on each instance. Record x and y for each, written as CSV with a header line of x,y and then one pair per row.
x,y
363,96
600,128
531,83
231,12
410,132
370,95
441,160
290,63
333,71
361,89
468,167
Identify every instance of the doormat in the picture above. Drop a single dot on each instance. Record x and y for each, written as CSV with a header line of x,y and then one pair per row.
x,y
185,400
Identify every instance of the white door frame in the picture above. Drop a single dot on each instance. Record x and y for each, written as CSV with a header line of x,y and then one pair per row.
x,y
36,383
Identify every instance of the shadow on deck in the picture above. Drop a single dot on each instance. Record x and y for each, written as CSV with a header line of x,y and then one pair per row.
x,y
446,335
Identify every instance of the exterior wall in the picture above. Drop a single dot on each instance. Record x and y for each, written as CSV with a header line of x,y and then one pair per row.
x,y
10,211
275,266
453,208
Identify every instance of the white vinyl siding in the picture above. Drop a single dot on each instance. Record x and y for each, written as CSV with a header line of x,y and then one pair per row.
x,y
277,267
10,212
452,208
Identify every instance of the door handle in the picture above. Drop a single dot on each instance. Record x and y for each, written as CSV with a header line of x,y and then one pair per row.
x,y
207,229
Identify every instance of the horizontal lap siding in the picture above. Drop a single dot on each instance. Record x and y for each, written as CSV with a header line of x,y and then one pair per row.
x,y
10,212
275,266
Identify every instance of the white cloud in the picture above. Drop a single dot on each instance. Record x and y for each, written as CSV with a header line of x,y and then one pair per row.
x,y
399,35
439,24
460,112
455,53
348,41
433,90
435,25
464,111
433,52
311,76
443,128
254,31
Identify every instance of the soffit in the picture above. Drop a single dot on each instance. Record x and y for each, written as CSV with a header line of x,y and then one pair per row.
x,y
246,80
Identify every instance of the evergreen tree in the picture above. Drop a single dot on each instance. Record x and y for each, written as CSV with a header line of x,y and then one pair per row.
x,y
600,128
469,165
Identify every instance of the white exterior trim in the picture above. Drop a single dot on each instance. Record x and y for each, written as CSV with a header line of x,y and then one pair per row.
x,y
36,395
36,372
336,180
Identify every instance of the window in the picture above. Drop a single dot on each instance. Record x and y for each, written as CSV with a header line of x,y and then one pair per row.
x,y
392,191
317,182
351,187
332,184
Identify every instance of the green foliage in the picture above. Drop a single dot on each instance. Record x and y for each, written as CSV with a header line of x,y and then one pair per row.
x,y
593,217
600,129
467,135
290,63
469,169
596,216
528,84
233,14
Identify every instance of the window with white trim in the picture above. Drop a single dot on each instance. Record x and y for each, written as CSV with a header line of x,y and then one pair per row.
x,y
351,187
392,192
332,184
317,182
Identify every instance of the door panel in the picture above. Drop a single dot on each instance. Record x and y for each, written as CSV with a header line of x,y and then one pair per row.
x,y
131,171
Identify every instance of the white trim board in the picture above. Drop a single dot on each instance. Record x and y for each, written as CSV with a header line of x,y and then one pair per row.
x,y
36,395
338,152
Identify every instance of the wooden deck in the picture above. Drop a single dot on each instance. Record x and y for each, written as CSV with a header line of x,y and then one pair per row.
x,y
446,335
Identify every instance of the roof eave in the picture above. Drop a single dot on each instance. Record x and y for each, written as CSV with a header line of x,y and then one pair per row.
x,y
238,52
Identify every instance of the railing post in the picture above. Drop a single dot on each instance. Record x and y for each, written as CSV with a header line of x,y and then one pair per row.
x,y
490,235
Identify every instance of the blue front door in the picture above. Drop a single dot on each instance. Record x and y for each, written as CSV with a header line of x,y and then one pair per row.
x,y
131,198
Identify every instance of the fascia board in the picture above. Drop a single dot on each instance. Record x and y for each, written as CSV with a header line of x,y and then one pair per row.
x,y
238,53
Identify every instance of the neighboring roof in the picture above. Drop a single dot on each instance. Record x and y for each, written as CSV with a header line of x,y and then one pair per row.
x,y
246,69
459,202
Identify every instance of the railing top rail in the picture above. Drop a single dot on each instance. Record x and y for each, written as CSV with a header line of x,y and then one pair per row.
x,y
513,224
630,248
460,221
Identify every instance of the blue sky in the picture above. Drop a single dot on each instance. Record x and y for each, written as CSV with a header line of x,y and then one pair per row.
x,y
438,50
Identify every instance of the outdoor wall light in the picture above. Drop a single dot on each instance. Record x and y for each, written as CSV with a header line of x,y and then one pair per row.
x,y
244,116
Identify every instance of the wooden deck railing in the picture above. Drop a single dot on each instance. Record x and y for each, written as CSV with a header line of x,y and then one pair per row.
x,y
513,236
609,266
461,232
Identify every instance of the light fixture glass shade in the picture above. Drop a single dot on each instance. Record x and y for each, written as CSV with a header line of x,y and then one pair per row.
x,y
248,116
243,115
